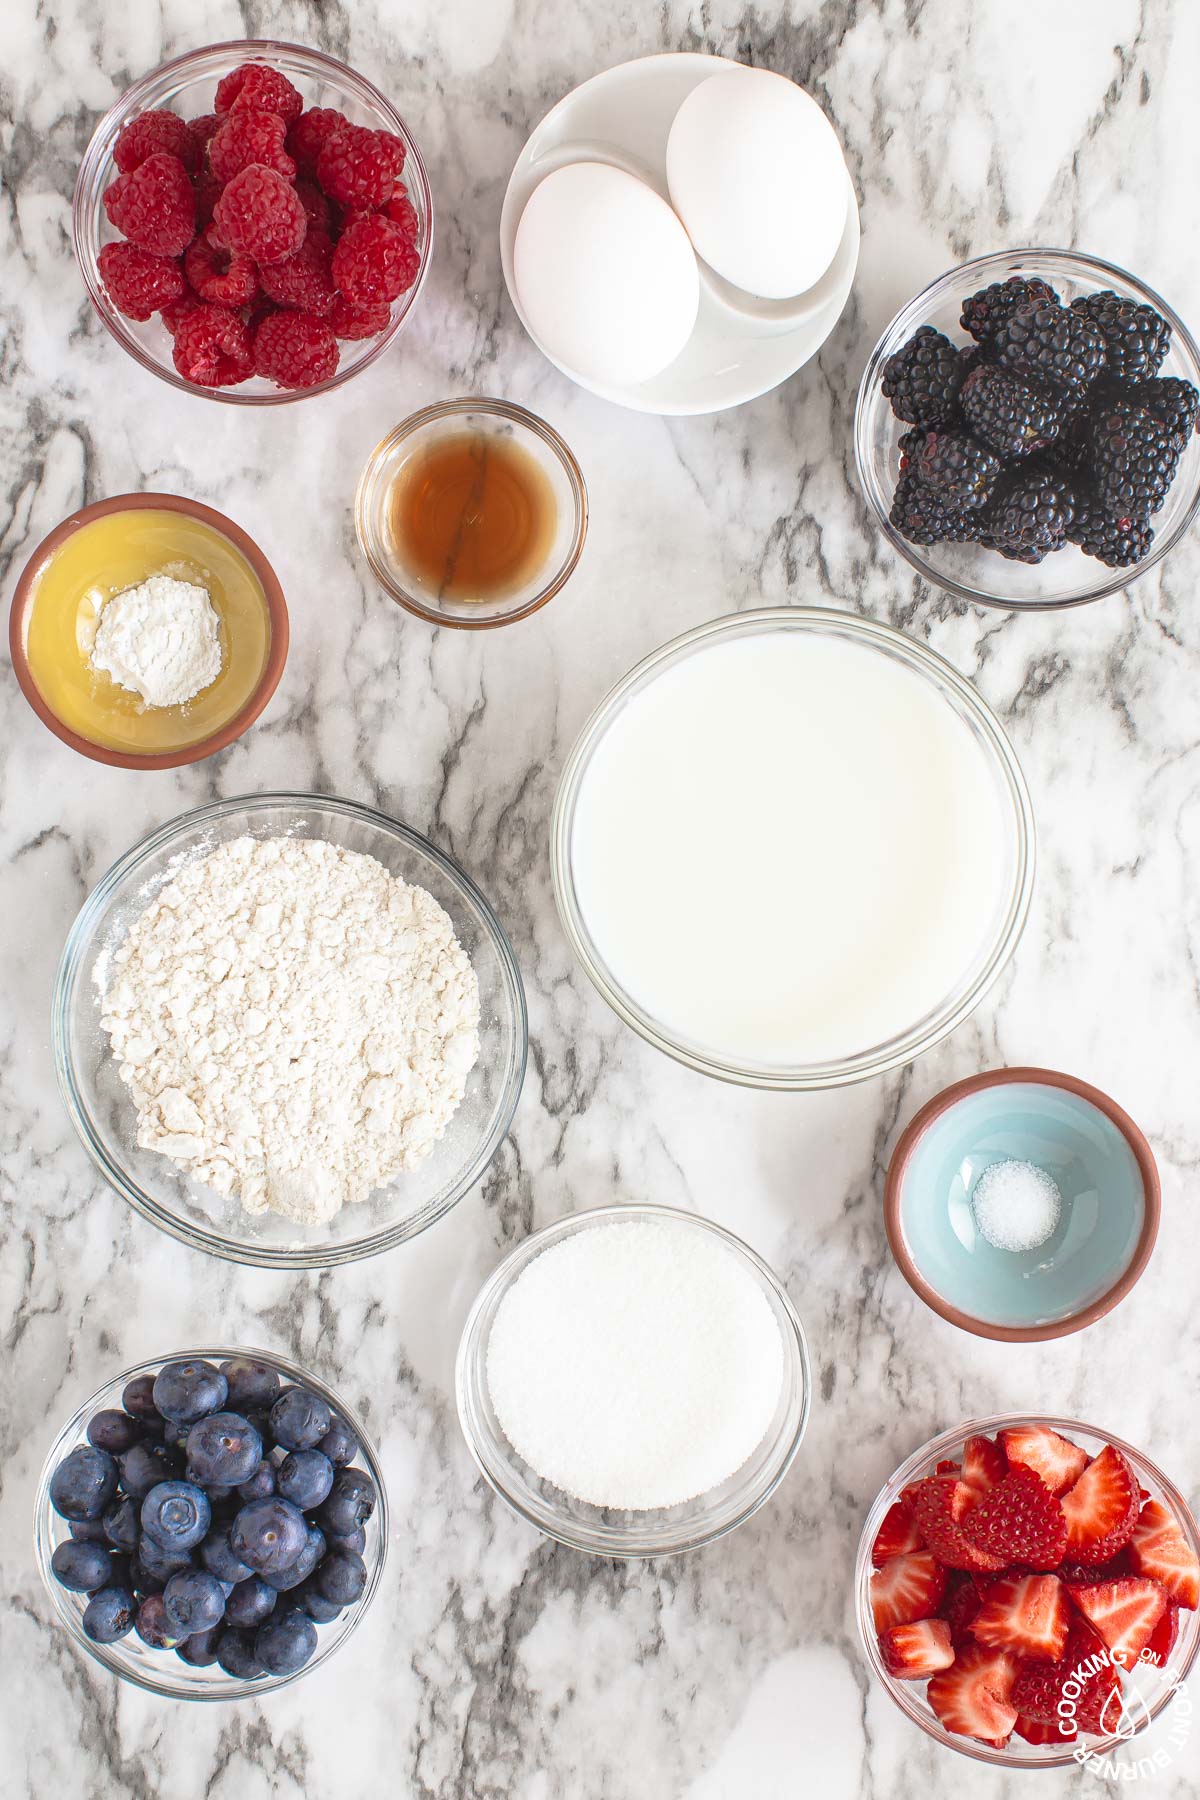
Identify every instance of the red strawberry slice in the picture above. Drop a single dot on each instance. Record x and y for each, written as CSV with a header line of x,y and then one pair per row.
x,y
1020,1521
942,1503
1034,1732
983,1464
1076,1692
1162,1639
1085,1574
960,1605
897,1535
946,1467
1123,1612
1028,1614
1056,1459
972,1697
1101,1509
1159,1549
906,1588
914,1651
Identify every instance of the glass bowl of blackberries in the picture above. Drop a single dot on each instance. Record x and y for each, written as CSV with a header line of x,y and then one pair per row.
x,y
1026,430
211,1524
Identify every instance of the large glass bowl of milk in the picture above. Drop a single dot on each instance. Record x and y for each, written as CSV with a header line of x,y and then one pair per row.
x,y
793,848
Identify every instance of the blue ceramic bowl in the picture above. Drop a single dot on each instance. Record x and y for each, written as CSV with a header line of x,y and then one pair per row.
x,y
1106,1176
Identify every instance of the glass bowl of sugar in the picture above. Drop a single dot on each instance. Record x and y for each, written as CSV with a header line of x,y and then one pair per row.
x,y
634,1381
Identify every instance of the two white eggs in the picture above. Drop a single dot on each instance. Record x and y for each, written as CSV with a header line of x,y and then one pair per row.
x,y
606,270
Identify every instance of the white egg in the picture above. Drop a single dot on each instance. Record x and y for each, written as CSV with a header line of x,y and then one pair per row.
x,y
605,274
756,174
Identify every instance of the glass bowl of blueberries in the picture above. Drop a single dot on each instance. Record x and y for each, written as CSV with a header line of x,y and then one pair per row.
x,y
1025,430
211,1524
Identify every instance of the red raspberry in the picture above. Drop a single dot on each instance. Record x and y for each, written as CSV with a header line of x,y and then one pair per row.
x,y
359,322
208,192
246,136
304,281
151,132
220,275
401,211
295,350
137,281
212,347
316,206
374,261
307,135
260,215
176,311
203,130
254,84
154,206
360,167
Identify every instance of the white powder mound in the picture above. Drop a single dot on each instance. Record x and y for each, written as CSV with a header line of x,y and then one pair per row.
x,y
1016,1205
295,1024
161,640
635,1365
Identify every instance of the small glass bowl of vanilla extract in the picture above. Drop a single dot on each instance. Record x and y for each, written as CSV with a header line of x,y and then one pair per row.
x,y
472,513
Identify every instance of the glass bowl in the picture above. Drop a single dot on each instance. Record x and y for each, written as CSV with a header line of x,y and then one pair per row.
x,y
611,1531
102,1111
1149,1689
187,85
1012,903
492,419
1067,578
161,1671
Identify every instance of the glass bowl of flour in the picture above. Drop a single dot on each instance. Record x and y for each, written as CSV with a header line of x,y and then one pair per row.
x,y
289,1030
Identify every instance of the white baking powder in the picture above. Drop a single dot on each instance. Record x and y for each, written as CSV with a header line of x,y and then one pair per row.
x,y
295,1024
1016,1205
161,639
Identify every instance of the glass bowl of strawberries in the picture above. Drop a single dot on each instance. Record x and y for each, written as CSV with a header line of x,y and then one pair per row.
x,y
253,221
1027,1590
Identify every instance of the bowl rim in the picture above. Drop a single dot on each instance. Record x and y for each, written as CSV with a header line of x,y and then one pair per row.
x,y
929,1452
929,664
980,270
1027,1076
98,151
470,1371
43,1514
197,1237
449,409
277,613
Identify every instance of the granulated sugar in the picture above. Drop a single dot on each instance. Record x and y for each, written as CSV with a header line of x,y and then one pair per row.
x,y
1016,1205
636,1364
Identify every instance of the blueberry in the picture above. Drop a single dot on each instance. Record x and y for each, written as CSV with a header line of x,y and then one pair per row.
x,y
269,1535
285,1641
185,1391
250,1602
299,1420
152,1624
175,1433
157,1561
351,1502
305,1477
176,1514
260,1485
88,1531
339,1443
193,1601
219,1494
146,1465
341,1578
305,1563
83,1483
200,1650
121,1527
114,1431
223,1448
250,1383
81,1567
138,1400
220,1560
312,1600
109,1614
236,1653
355,1541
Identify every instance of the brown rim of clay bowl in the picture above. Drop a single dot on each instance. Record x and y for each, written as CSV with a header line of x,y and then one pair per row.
x,y
1151,1192
277,614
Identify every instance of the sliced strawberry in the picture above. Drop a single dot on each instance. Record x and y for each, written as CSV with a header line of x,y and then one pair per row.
x,y
1028,1614
946,1467
1101,1509
1159,1549
906,1588
960,1604
1034,1732
972,1697
1056,1459
942,1503
1085,1574
983,1464
1124,1613
914,1651
1075,1692
1162,1640
897,1535
1020,1521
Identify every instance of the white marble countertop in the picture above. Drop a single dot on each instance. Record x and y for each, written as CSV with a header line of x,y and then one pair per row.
x,y
493,1664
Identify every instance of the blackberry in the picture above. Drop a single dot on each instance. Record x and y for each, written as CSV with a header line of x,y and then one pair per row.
x,y
1133,462
1118,542
1135,336
957,468
1041,338
1031,514
1174,403
919,515
987,310
922,379
1010,415
1072,448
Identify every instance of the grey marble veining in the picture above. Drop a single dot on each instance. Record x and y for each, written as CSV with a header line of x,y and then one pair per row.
x,y
493,1664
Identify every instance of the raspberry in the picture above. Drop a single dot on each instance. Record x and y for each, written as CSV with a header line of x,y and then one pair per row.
x,y
316,206
137,281
360,167
303,281
151,132
374,261
359,322
212,347
307,135
223,276
154,206
208,192
401,211
247,136
202,130
295,349
254,84
176,311
260,215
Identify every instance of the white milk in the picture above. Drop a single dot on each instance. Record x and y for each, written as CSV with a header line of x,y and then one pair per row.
x,y
788,849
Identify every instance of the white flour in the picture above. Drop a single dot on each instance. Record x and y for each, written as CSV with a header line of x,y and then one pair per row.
x,y
295,1024
160,639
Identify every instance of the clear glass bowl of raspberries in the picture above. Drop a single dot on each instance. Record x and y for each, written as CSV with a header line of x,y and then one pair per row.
x,y
1026,430
1027,1590
254,222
